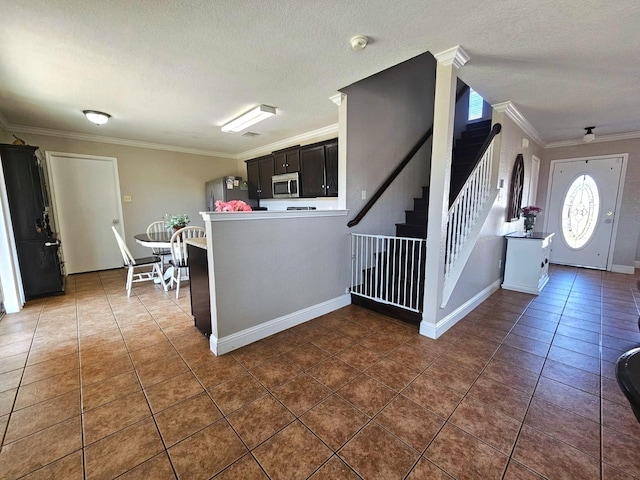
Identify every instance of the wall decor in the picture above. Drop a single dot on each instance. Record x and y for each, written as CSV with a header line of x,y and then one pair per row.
x,y
515,189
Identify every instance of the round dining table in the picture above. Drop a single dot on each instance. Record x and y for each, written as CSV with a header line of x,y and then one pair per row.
x,y
157,240
154,239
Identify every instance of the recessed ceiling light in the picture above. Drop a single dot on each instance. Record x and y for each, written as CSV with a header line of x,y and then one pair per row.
x,y
99,118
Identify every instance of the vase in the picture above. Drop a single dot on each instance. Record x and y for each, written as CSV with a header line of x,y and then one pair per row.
x,y
529,222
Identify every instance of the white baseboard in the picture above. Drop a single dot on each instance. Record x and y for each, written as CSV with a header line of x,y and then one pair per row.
x,y
223,345
637,264
434,331
628,269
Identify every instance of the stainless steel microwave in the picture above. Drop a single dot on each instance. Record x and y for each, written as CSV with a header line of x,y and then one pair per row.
x,y
286,185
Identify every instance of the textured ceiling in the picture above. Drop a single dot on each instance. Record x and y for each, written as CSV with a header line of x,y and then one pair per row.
x,y
172,72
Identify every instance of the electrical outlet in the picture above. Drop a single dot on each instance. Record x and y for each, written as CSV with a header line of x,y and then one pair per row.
x,y
127,198
364,194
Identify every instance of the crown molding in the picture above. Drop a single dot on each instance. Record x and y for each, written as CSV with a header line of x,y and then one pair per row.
x,y
331,129
116,141
454,55
267,149
514,114
614,137
338,98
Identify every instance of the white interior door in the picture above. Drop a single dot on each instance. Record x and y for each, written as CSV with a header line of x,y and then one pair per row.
x,y
582,210
86,198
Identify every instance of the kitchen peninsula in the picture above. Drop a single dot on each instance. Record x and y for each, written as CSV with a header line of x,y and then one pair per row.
x,y
269,271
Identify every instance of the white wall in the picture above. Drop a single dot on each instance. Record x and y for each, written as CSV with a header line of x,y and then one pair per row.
x,y
158,181
11,283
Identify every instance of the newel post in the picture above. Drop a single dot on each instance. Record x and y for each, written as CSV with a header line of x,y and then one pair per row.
x,y
449,62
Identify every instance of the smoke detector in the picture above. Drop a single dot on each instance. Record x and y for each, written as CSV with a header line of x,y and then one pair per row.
x,y
358,42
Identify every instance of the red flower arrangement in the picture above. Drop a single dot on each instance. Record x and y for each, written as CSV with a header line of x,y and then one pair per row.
x,y
530,210
232,206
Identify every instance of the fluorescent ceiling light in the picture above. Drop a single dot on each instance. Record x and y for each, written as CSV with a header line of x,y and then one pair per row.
x,y
249,118
99,118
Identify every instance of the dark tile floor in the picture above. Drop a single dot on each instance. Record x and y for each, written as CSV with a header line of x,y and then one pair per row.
x,y
96,385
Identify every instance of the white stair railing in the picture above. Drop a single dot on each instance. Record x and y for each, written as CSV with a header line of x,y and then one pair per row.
x,y
466,217
388,270
466,208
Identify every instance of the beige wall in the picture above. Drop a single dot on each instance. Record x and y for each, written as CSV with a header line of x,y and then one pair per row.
x,y
158,181
482,268
5,137
627,248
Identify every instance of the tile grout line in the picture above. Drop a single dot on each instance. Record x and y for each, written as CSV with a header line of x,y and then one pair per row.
x,y
82,430
333,392
546,358
143,390
24,368
371,419
501,343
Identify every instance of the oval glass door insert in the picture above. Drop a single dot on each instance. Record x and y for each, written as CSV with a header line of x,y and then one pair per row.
x,y
580,211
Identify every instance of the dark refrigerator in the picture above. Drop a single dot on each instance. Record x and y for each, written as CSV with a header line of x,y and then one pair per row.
x,y
36,245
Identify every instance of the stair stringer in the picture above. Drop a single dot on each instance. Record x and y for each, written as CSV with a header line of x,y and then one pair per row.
x,y
465,253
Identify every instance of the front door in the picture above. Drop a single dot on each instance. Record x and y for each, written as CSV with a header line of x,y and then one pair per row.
x,y
86,197
582,210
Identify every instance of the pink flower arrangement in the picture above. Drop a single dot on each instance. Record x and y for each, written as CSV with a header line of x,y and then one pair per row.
x,y
530,210
232,206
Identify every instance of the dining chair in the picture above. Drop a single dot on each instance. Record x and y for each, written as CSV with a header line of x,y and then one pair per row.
x,y
133,263
159,227
179,253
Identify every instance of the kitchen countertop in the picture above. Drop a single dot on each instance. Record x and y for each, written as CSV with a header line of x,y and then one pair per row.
x,y
532,235
200,242
269,214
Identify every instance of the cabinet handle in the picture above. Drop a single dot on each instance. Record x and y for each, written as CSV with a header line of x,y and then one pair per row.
x,y
541,264
546,260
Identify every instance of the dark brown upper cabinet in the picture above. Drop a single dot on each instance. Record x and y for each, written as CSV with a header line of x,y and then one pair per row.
x,y
287,160
259,173
317,164
319,169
